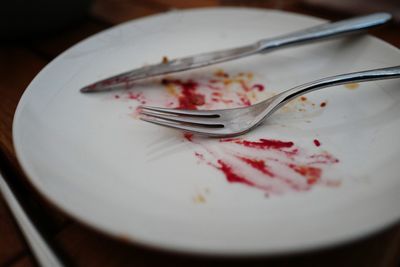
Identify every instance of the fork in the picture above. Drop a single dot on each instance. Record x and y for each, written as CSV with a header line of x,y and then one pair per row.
x,y
44,254
237,121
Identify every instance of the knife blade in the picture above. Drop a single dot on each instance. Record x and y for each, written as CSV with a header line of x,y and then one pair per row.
x,y
316,33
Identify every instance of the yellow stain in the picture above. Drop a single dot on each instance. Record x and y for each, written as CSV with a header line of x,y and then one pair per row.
x,y
220,73
352,86
199,199
171,89
227,81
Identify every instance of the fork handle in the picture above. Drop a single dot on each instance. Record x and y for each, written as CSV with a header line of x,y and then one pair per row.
x,y
43,253
329,30
361,76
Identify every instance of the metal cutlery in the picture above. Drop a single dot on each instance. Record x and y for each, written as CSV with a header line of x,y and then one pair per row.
x,y
321,32
237,121
41,250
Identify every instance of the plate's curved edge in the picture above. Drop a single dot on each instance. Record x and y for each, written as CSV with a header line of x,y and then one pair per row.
x,y
167,247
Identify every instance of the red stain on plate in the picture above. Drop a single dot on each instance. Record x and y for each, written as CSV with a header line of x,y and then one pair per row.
x,y
188,136
271,165
231,174
317,142
261,143
274,166
189,97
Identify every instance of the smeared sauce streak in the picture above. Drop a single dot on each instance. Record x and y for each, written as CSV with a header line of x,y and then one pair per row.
x,y
273,166
259,165
231,174
262,143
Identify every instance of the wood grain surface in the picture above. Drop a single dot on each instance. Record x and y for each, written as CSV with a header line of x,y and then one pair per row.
x,y
21,60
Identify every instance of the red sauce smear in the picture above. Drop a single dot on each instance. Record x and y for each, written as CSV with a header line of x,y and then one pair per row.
x,y
231,175
312,174
262,143
258,87
267,160
189,97
259,165
188,136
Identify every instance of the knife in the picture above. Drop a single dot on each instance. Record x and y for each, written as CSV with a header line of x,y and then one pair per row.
x,y
316,33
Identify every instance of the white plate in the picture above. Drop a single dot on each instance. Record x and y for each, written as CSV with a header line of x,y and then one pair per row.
x,y
90,156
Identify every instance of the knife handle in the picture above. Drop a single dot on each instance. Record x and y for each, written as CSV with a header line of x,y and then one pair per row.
x,y
325,31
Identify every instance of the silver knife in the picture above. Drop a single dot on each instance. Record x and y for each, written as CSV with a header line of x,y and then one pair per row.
x,y
320,32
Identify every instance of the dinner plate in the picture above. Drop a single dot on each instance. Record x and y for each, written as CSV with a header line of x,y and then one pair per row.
x,y
321,171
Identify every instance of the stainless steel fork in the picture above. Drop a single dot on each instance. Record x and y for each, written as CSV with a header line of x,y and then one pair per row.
x,y
43,253
237,121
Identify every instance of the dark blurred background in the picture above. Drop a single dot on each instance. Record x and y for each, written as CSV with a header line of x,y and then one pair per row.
x,y
32,19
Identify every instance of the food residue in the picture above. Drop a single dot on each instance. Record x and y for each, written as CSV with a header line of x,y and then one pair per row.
x,y
273,166
189,98
317,142
188,136
165,60
221,73
352,86
270,165
199,199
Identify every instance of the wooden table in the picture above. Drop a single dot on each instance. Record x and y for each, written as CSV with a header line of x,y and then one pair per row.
x,y
82,246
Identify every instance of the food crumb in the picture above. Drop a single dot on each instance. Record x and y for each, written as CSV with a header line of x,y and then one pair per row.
x,y
351,86
199,199
188,136
317,143
323,104
165,60
303,98
221,73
